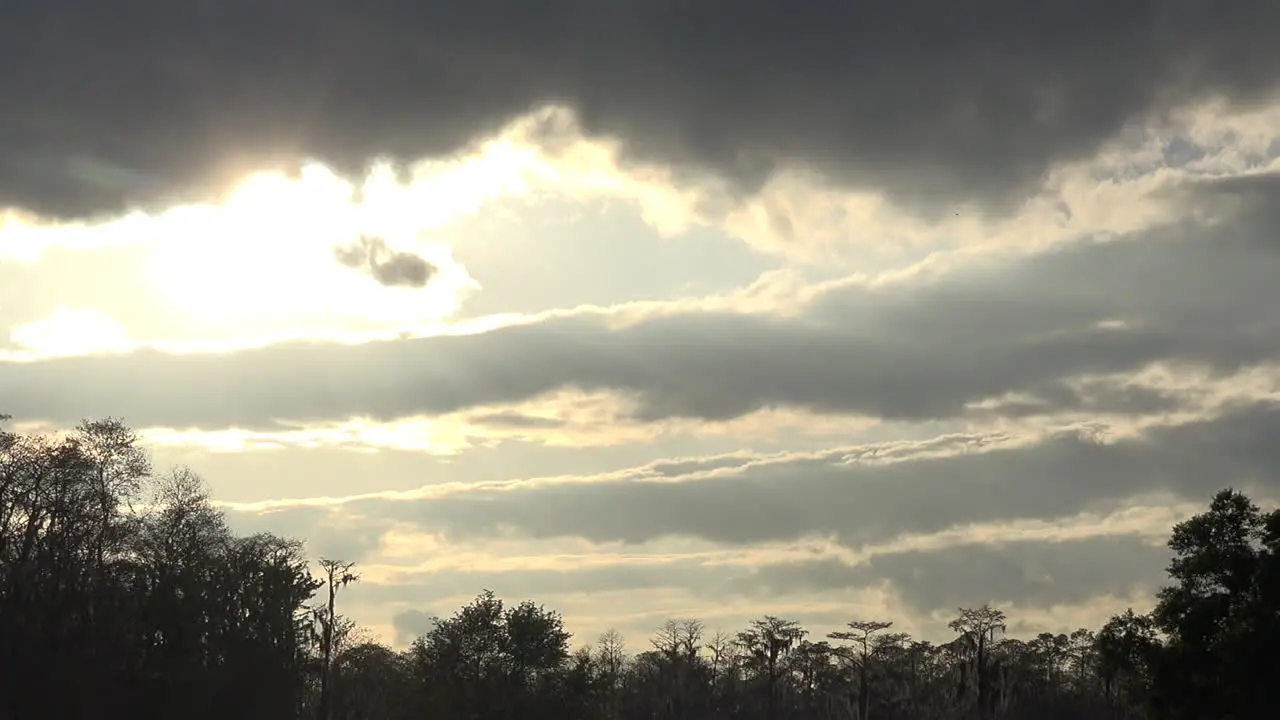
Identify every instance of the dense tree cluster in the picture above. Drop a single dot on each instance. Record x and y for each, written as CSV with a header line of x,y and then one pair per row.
x,y
124,594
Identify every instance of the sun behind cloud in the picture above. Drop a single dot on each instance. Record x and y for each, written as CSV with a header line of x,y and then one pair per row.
x,y
261,264
71,331
263,252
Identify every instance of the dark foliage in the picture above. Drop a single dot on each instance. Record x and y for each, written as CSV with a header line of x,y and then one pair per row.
x,y
124,594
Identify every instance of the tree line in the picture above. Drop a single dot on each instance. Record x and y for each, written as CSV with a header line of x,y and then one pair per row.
x,y
123,593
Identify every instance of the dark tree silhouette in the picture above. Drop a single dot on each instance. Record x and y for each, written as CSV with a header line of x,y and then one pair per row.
x,y
1221,614
131,589
335,576
860,632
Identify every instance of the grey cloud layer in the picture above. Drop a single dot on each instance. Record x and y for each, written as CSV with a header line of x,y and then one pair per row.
x,y
918,350
942,484
1035,574
113,103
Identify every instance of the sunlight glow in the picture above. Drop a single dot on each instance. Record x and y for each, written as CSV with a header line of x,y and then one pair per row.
x,y
265,251
436,436
265,259
71,331
258,265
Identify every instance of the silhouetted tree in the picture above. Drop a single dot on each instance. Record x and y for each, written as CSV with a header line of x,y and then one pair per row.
x,y
1221,615
336,575
1127,645
860,632
130,588
768,643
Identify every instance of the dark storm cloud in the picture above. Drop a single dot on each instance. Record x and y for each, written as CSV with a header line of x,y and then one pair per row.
x,y
917,350
393,268
931,100
1027,573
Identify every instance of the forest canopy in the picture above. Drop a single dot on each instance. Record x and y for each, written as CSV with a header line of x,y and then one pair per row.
x,y
124,593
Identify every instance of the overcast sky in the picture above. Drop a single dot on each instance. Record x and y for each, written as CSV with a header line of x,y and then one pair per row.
x,y
663,308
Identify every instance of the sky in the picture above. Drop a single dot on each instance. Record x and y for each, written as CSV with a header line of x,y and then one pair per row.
x,y
663,308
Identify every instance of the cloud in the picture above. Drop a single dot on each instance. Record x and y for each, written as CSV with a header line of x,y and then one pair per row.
x,y
410,625
345,535
1038,575
932,525
932,102
797,213
858,502
1056,521
1024,573
1060,331
71,331
856,497
393,268
1028,266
